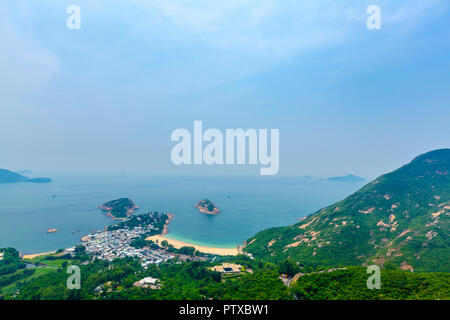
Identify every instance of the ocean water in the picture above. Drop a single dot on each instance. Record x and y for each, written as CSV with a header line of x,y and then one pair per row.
x,y
70,204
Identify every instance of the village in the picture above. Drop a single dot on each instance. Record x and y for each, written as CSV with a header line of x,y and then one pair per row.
x,y
112,244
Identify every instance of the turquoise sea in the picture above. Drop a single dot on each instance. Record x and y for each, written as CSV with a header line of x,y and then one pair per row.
x,y
69,203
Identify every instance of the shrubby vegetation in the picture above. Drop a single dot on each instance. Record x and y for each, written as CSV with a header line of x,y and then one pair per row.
x,y
101,280
350,284
193,280
13,277
119,208
11,261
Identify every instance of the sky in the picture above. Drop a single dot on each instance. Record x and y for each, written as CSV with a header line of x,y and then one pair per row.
x,y
106,97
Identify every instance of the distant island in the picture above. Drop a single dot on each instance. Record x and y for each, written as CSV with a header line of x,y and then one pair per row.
x,y
7,176
207,206
25,171
119,209
347,178
39,180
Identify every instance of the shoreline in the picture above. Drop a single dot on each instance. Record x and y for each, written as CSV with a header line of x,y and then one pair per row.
x,y
180,243
205,249
170,217
35,255
203,206
205,211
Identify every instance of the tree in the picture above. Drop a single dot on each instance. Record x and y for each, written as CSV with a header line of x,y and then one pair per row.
x,y
288,267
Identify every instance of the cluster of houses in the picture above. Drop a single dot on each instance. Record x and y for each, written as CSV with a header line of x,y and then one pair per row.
x,y
110,245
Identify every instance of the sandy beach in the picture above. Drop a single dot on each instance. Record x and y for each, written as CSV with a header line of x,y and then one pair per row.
x,y
35,255
212,250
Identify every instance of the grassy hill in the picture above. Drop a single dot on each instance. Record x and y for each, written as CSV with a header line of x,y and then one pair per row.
x,y
401,218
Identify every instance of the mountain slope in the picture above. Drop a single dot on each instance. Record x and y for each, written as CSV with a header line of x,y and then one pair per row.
x,y
401,217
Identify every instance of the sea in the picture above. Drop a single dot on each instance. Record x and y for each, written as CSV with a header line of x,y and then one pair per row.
x,y
70,204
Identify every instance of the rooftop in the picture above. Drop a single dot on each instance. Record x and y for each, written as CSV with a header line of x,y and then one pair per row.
x,y
227,268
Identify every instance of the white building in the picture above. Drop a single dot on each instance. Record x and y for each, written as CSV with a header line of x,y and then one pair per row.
x,y
147,282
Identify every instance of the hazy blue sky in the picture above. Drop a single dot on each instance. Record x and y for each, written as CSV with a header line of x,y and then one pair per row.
x,y
107,97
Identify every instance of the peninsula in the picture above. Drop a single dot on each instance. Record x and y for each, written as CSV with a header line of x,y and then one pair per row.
x,y
7,176
207,206
119,209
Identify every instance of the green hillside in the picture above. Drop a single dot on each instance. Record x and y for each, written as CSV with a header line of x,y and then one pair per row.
x,y
402,218
10,261
350,284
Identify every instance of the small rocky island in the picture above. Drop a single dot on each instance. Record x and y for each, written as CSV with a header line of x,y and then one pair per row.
x,y
119,209
207,206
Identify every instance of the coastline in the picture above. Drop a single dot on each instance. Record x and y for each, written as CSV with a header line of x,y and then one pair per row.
x,y
205,211
203,206
166,225
211,250
232,251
